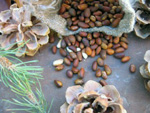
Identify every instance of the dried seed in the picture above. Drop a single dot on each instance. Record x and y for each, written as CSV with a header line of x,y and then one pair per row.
x,y
75,70
59,67
83,34
94,66
87,20
116,46
92,42
103,82
97,13
69,22
132,68
73,55
104,46
93,47
89,36
69,50
104,16
73,48
110,45
74,28
93,53
91,24
124,45
110,51
79,54
72,39
78,82
96,34
123,39
76,63
116,22
103,54
63,52
85,42
63,44
66,15
72,12
67,41
82,6
119,50
92,18
81,73
125,59
59,44
98,50
85,56
69,57
67,61
100,62
105,22
98,24
106,9
81,18
58,62
79,38
83,25
98,41
54,49
98,73
62,9
116,40
87,12
88,51
119,55
118,16
69,74
107,69
104,75
58,83
81,45
77,44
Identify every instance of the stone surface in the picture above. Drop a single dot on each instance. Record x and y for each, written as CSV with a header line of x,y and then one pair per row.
x,y
131,87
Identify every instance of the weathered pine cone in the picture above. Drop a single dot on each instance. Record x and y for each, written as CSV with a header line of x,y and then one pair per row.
x,y
19,28
92,98
145,70
142,26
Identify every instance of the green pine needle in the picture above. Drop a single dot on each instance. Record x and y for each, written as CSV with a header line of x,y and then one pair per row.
x,y
19,77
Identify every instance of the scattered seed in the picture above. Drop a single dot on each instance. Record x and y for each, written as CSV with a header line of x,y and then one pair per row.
x,y
132,68
78,82
58,62
58,83
69,74
81,73
59,67
103,82
125,59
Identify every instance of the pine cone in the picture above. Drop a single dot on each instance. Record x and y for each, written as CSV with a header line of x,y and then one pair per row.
x,y
142,26
19,28
145,70
92,98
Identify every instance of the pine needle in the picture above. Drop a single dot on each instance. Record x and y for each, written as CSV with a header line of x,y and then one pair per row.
x,y
19,77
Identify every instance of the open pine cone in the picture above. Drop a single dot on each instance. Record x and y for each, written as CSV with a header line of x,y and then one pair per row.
x,y
92,98
19,28
145,70
142,26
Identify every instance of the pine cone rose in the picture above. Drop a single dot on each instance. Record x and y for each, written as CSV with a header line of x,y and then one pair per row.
x,y
19,28
145,70
92,98
142,26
